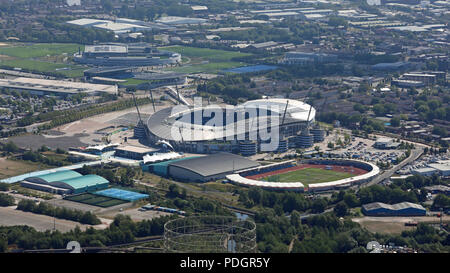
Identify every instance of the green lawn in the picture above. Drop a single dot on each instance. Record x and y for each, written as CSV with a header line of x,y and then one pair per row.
x,y
308,176
213,55
39,66
33,57
38,50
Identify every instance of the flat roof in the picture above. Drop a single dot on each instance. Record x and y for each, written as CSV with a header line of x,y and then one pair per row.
x,y
135,149
440,167
56,85
214,164
106,48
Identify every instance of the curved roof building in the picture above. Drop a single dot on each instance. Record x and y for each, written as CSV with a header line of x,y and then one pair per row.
x,y
66,182
246,121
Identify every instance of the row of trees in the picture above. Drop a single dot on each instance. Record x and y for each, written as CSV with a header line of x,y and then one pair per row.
x,y
62,213
121,230
57,118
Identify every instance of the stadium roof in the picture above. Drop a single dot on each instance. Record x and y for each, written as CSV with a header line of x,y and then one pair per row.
x,y
399,206
215,164
165,124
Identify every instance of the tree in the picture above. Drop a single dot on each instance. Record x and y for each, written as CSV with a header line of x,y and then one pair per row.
x,y
351,200
319,205
11,147
6,200
395,122
341,209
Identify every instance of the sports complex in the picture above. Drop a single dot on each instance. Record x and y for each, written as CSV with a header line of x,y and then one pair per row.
x,y
306,175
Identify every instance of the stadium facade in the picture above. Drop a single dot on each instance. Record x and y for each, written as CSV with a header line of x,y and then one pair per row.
x,y
264,125
139,54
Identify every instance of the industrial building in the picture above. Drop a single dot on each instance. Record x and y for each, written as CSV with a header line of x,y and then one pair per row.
x,y
176,20
385,143
400,209
42,87
306,58
427,79
208,168
65,182
441,168
133,152
119,26
139,54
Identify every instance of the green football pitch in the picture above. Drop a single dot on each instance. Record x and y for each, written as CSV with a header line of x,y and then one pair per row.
x,y
308,176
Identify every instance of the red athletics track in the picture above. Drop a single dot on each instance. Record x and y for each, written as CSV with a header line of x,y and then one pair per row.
x,y
336,168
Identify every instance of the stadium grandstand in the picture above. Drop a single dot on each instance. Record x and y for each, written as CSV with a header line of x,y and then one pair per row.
x,y
283,118
361,172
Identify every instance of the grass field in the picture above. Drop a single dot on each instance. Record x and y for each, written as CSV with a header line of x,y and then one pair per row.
x,y
308,176
197,60
10,168
95,200
67,70
38,50
35,57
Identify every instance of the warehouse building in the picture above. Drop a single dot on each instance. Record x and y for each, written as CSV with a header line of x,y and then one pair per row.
x,y
161,168
209,168
400,209
42,87
133,152
427,171
65,182
385,143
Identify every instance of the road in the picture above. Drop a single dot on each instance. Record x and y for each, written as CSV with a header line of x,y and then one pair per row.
x,y
415,154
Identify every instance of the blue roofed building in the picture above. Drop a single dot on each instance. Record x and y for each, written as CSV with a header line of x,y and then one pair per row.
x,y
400,209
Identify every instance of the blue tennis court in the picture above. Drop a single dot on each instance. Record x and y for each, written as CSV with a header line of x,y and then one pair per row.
x,y
122,194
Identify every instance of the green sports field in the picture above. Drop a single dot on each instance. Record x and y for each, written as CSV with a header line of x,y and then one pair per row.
x,y
51,58
308,176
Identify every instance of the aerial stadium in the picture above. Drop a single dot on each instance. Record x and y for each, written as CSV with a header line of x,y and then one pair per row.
x,y
307,175
264,125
